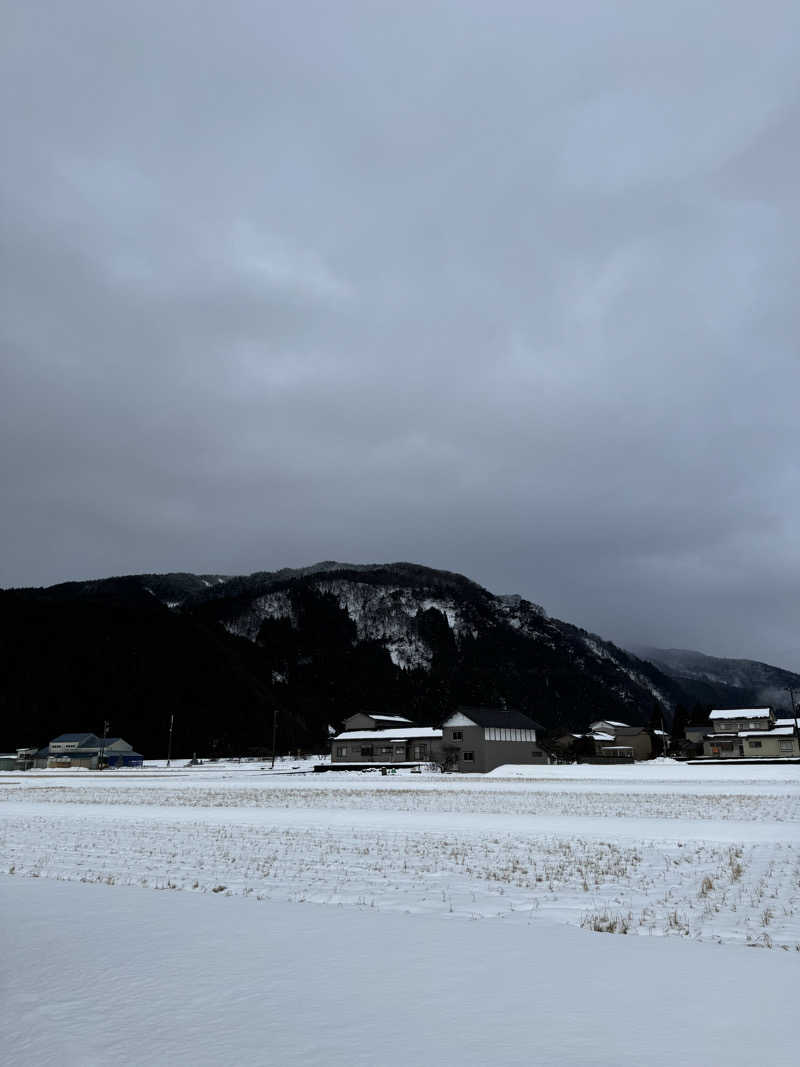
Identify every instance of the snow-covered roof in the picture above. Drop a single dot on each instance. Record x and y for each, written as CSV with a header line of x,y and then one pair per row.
x,y
389,718
608,722
602,737
739,713
388,735
726,735
780,731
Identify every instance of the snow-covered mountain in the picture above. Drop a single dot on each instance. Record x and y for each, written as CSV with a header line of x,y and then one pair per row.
x,y
724,682
440,623
318,643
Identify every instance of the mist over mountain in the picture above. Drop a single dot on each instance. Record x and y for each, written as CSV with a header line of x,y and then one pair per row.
x,y
724,682
223,653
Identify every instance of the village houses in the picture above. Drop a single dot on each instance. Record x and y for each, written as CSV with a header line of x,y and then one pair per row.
x,y
471,740
750,733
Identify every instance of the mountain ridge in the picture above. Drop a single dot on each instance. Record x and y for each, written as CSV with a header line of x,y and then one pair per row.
x,y
724,681
317,642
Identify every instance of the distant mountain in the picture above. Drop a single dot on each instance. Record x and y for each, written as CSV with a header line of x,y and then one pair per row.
x,y
316,643
723,682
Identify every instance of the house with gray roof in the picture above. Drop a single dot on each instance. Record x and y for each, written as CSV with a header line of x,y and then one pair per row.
x,y
87,750
471,740
479,739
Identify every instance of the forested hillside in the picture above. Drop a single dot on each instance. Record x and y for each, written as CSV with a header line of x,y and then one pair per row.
x,y
222,653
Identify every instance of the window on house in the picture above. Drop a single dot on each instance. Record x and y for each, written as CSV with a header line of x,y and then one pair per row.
x,y
458,735
386,750
754,744
341,750
366,750
468,757
420,751
786,746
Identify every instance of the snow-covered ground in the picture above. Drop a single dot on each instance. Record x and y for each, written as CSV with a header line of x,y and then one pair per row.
x,y
99,976
483,865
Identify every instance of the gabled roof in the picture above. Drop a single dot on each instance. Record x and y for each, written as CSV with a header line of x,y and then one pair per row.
x,y
379,719
90,739
508,717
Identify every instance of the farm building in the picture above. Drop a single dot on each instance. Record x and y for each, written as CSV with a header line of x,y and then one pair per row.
x,y
87,750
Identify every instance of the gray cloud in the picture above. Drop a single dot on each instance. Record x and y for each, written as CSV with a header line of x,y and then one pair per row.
x,y
501,288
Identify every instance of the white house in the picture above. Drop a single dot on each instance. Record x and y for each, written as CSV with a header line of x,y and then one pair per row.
x,y
750,733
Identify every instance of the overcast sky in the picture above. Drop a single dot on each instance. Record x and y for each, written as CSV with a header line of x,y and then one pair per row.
x,y
506,288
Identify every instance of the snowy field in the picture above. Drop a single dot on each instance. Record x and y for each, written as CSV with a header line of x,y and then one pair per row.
x,y
433,872
710,854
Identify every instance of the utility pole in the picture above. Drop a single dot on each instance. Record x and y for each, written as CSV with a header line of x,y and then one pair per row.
x,y
274,732
100,764
790,691
169,742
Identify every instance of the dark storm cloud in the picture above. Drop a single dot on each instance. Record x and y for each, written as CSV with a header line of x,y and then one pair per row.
x,y
507,289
